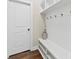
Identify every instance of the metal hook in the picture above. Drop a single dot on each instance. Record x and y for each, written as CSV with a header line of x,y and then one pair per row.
x,y
62,14
55,16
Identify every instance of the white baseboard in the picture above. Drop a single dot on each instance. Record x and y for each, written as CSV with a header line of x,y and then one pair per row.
x,y
35,47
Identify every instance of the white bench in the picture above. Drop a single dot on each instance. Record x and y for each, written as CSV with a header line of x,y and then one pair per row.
x,y
50,50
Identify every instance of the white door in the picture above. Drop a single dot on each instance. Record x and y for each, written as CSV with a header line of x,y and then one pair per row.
x,y
19,27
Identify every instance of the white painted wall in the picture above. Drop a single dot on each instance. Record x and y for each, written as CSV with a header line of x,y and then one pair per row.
x,y
59,28
38,24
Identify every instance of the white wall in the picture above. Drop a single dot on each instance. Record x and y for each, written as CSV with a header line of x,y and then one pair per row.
x,y
38,24
59,28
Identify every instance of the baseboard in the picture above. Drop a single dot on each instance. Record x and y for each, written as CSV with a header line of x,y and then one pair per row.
x,y
35,48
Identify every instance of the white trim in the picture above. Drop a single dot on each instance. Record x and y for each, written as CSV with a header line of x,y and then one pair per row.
x,y
31,26
21,2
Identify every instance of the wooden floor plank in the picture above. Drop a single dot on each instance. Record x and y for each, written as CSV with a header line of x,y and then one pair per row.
x,y
27,55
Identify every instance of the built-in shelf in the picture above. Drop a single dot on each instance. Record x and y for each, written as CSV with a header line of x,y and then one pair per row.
x,y
46,8
54,6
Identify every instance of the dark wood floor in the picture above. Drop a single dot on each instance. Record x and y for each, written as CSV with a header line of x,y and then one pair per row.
x,y
27,55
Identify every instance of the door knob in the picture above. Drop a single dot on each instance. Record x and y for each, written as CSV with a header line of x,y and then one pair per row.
x,y
28,29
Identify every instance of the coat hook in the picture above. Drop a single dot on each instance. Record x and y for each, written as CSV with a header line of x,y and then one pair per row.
x,y
62,14
55,16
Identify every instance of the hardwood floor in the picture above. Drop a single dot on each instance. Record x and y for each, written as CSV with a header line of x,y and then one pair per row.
x,y
27,55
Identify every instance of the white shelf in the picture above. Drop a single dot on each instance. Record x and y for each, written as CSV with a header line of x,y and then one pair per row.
x,y
54,6
48,7
55,50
